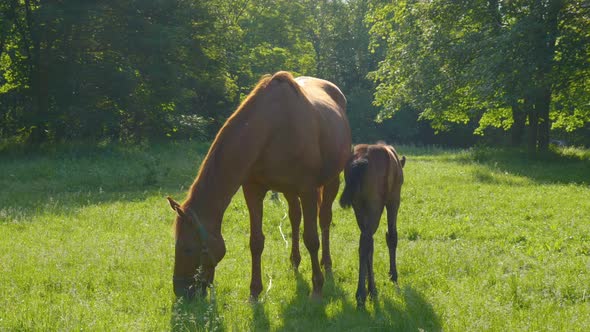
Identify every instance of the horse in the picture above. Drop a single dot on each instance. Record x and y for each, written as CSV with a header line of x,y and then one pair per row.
x,y
289,135
374,177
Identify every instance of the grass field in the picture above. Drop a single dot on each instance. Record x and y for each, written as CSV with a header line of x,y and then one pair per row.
x,y
489,240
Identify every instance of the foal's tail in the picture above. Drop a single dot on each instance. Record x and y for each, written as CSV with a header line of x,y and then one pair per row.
x,y
353,181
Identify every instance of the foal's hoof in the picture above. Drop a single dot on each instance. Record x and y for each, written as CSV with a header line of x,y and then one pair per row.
x,y
361,298
393,277
253,299
373,295
360,304
316,297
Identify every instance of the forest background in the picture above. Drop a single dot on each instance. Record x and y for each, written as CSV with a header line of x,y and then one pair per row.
x,y
452,73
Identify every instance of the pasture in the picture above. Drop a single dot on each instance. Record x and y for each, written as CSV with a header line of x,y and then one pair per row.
x,y
488,240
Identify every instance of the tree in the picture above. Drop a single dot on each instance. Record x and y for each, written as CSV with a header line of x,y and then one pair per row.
x,y
115,69
496,62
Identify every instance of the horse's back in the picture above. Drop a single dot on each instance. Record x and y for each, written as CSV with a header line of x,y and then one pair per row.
x,y
323,93
310,140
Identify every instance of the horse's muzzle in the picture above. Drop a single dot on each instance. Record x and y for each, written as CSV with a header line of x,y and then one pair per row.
x,y
184,287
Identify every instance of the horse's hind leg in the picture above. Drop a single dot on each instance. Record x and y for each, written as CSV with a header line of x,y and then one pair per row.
x,y
254,195
295,219
391,236
310,238
329,193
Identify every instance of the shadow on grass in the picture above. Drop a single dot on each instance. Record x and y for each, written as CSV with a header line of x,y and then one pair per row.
x,y
562,166
200,314
337,311
64,181
550,167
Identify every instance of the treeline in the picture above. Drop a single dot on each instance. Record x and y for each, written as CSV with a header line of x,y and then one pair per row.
x,y
428,72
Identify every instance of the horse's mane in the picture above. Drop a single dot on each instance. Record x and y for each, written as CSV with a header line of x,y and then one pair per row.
x,y
263,83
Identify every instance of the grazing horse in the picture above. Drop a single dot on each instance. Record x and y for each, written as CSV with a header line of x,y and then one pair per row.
x,y
374,178
289,135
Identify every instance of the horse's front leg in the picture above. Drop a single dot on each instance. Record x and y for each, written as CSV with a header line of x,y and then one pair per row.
x,y
329,193
295,220
310,238
391,237
254,195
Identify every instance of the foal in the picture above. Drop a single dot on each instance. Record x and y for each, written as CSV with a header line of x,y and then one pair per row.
x,y
374,178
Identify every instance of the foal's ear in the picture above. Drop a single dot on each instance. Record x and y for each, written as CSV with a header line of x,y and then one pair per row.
x,y
175,206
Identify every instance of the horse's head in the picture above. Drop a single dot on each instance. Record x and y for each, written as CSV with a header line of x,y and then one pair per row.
x,y
193,263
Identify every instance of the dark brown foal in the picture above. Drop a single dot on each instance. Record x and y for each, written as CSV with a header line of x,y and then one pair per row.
x,y
374,178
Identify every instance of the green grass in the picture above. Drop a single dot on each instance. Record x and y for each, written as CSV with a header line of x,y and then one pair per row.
x,y
489,240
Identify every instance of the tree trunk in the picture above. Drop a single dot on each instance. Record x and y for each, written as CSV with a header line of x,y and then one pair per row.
x,y
547,13
39,80
519,117
542,108
533,126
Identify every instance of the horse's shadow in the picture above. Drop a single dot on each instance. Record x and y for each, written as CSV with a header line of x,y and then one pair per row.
x,y
408,310
337,311
200,314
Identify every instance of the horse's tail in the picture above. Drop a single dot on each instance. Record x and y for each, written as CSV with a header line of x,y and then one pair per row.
x,y
353,181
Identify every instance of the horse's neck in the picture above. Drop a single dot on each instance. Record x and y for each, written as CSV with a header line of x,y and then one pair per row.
x,y
227,165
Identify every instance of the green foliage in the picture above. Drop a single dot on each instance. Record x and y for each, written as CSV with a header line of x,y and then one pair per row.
x,y
130,70
489,61
124,69
488,239
135,70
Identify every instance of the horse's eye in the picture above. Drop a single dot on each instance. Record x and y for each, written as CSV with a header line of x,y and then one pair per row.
x,y
188,251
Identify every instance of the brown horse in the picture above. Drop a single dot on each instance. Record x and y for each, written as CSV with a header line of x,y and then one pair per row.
x,y
289,135
374,178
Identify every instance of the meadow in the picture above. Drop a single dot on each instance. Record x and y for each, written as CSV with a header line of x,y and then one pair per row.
x,y
490,240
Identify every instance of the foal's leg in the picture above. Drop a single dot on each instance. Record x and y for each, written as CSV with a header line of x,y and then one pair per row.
x,y
362,221
361,289
368,221
254,195
391,236
370,273
329,194
310,238
295,219
373,224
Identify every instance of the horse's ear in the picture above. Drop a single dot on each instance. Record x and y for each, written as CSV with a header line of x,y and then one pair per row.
x,y
175,206
403,161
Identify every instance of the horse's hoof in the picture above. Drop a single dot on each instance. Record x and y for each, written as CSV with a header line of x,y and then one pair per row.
x,y
253,299
326,263
295,261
